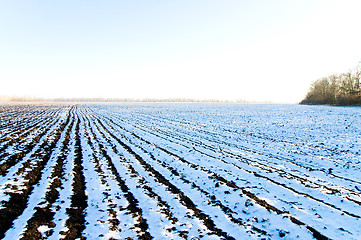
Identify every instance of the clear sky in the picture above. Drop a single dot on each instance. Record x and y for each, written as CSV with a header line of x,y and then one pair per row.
x,y
236,49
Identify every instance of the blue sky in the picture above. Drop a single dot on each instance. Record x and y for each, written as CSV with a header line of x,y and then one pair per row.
x,y
254,50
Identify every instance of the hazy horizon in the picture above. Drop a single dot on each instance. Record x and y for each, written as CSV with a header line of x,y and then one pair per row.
x,y
29,99
257,51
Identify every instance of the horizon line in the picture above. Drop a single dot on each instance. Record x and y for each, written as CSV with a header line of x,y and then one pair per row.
x,y
14,99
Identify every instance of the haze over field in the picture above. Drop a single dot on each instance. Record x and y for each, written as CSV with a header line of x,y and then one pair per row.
x,y
253,50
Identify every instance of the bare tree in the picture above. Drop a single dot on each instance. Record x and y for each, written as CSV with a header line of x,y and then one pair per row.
x,y
342,89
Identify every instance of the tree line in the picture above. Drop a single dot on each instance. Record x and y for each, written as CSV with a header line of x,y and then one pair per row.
x,y
338,89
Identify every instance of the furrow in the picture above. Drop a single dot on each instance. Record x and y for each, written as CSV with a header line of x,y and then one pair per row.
x,y
76,221
120,205
249,194
282,173
185,200
31,175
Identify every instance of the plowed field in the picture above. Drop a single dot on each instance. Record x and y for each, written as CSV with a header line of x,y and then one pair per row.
x,y
180,171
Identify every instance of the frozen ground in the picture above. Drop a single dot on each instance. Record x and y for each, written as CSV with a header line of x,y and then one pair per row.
x,y
180,171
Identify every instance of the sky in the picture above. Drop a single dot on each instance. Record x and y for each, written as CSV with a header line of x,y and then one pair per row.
x,y
257,50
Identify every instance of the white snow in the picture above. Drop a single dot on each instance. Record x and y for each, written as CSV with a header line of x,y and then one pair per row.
x,y
252,170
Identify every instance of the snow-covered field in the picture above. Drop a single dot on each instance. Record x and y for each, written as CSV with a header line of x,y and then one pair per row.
x,y
180,171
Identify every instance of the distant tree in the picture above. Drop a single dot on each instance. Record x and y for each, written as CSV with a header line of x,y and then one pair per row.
x,y
342,89
350,88
334,88
349,83
322,91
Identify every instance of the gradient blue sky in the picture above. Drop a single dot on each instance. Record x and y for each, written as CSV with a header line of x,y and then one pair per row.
x,y
255,50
